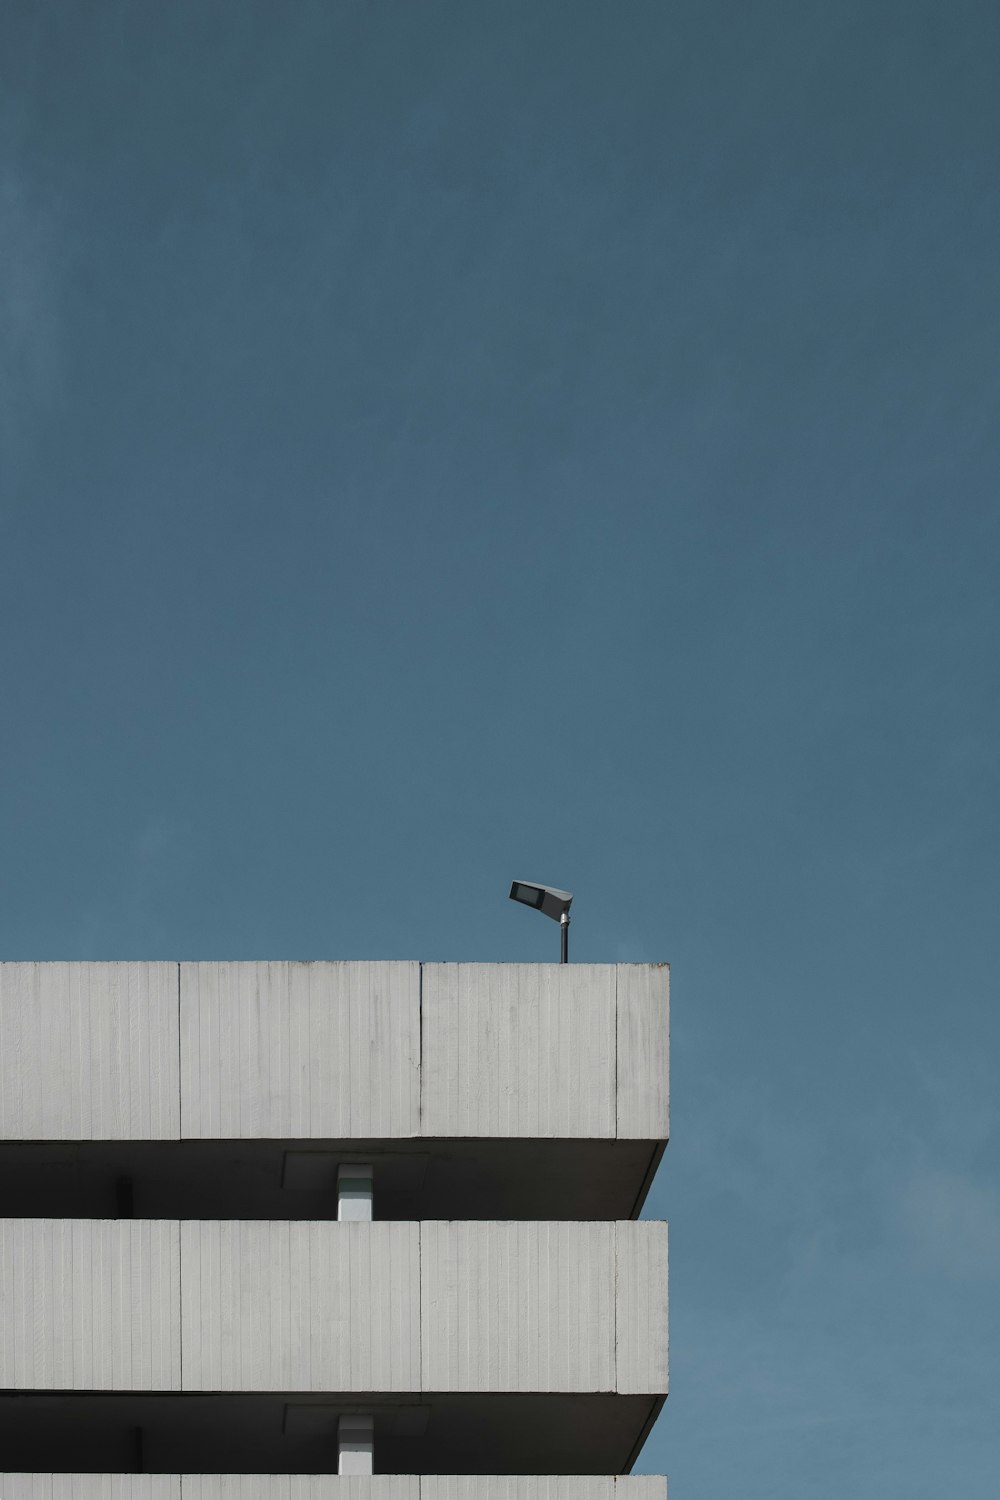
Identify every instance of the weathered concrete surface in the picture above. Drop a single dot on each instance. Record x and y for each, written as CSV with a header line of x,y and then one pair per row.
x,y
89,1051
584,1310
518,1050
300,1049
300,1487
441,1306
643,1051
641,1332
92,1487
301,1306
90,1304
333,1051
543,1487
508,1307
330,1487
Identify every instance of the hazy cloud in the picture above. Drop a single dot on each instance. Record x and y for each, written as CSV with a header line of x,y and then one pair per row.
x,y
954,1223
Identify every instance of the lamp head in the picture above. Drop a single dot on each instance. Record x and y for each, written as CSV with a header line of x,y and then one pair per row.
x,y
544,898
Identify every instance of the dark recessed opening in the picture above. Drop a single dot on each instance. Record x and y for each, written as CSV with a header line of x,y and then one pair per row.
x,y
295,1179
290,1433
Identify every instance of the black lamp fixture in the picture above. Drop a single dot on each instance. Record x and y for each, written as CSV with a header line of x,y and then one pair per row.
x,y
549,901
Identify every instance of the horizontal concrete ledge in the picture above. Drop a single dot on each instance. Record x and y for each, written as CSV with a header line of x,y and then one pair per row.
x,y
332,1051
288,1433
331,1487
240,1305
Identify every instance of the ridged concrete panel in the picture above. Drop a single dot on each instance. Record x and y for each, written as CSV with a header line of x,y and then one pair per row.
x,y
300,1306
88,1051
517,1487
90,1487
517,1306
331,1487
89,1304
518,1050
641,1487
643,1051
98,1051
641,1324
299,1487
447,1306
300,1050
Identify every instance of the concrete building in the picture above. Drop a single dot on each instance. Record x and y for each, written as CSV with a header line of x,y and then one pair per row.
x,y
330,1231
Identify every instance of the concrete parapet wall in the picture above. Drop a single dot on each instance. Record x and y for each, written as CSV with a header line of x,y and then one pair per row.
x,y
89,1051
301,1306
519,1050
300,1049
162,1305
331,1487
161,1051
90,1304
299,1487
543,1487
90,1487
518,1306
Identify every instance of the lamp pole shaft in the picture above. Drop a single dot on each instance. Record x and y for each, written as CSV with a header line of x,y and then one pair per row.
x,y
564,938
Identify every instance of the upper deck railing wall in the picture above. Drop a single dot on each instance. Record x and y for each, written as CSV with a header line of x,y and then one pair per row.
x,y
337,1051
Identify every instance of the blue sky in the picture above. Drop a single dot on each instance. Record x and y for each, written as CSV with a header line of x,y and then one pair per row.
x,y
448,442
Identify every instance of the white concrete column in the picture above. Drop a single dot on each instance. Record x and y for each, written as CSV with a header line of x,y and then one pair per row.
x,y
354,1192
355,1445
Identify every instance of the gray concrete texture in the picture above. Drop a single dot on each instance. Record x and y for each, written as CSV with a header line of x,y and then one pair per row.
x,y
166,1051
243,1306
90,1487
329,1487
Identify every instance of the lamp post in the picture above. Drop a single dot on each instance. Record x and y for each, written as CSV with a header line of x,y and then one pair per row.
x,y
549,901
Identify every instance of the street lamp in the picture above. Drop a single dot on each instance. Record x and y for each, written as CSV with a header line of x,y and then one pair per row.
x,y
553,903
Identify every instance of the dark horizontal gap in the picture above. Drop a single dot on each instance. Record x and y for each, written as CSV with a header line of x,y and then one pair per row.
x,y
423,1178
295,1433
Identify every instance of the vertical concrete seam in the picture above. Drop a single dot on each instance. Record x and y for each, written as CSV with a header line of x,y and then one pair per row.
x,y
180,1063
420,1049
616,1084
